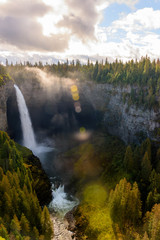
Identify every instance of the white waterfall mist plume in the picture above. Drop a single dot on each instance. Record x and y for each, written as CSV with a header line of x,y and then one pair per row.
x,y
29,140
60,202
51,83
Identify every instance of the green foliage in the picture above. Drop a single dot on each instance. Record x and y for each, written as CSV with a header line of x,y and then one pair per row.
x,y
20,210
153,223
95,193
4,77
125,204
93,215
128,159
143,76
118,214
46,224
146,167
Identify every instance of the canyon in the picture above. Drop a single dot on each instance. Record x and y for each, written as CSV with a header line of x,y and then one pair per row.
x,y
101,104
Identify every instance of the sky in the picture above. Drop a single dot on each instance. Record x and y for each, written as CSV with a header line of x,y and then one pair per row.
x,y
52,30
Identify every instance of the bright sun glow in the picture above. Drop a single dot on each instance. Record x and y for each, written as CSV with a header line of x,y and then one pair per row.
x,y
50,20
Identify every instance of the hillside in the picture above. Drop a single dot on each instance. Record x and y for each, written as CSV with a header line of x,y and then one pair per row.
x,y
21,181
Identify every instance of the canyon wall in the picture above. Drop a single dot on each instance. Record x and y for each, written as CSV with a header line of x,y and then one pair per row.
x,y
130,123
5,92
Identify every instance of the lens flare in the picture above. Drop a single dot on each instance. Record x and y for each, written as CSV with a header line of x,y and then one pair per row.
x,y
78,109
74,89
82,130
75,96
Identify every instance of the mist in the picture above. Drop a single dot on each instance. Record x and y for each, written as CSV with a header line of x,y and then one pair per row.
x,y
61,117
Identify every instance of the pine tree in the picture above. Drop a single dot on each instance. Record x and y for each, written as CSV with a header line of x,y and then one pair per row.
x,y
150,201
146,147
154,223
145,237
125,204
25,229
3,232
35,233
8,208
1,174
158,161
128,159
154,181
15,225
47,228
146,167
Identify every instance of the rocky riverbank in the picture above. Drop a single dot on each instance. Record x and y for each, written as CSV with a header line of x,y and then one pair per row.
x,y
60,226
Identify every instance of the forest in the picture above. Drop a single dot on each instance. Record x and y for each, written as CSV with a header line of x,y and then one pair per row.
x,y
143,76
118,185
21,212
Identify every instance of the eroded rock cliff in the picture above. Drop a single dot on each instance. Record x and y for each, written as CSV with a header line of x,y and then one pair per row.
x,y
129,122
5,92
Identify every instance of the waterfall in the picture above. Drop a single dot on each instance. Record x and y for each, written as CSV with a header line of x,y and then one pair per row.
x,y
27,129
60,203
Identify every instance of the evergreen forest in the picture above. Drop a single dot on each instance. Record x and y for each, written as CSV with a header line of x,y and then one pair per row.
x,y
118,184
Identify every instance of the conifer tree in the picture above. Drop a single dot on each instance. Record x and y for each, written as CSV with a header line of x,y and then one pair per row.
x,y
1,174
35,233
25,229
146,147
146,167
15,226
128,159
3,232
46,224
8,208
154,223
158,161
125,204
154,181
150,201
145,237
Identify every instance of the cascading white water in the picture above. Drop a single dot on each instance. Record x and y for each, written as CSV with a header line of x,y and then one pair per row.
x,y
60,203
27,129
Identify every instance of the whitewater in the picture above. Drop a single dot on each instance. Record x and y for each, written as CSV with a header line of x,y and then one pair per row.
x,y
60,203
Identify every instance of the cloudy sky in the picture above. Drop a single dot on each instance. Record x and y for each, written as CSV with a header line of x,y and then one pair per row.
x,y
47,30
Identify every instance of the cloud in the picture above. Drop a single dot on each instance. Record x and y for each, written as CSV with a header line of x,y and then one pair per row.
x,y
145,18
19,27
130,3
24,23
134,35
27,34
23,8
81,18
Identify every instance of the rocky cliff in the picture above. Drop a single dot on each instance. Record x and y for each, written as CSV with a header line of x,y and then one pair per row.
x,y
5,92
130,123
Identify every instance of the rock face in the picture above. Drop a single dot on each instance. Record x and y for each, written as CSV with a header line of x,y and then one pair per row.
x,y
5,92
130,123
